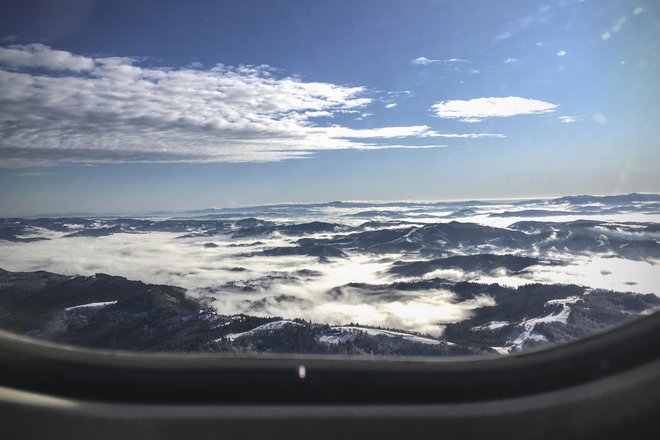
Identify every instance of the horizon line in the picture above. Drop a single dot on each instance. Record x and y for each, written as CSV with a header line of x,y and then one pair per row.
x,y
275,204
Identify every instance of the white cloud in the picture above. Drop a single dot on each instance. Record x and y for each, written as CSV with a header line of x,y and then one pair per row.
x,y
422,131
391,105
39,55
423,61
336,131
474,110
399,94
112,109
363,116
510,60
567,119
561,53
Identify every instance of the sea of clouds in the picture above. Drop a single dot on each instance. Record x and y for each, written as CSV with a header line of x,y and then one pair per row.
x,y
233,279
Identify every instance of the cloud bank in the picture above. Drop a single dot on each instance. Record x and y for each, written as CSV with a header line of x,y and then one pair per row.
x,y
59,107
275,287
39,55
473,110
162,258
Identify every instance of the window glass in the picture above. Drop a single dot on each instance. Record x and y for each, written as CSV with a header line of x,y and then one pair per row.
x,y
427,178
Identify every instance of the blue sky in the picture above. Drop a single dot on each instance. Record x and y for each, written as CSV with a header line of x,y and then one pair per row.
x,y
137,106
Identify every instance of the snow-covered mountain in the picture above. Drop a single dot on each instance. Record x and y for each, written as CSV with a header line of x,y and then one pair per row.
x,y
427,278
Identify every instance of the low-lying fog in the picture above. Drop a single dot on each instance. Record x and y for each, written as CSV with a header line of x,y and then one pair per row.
x,y
232,275
300,286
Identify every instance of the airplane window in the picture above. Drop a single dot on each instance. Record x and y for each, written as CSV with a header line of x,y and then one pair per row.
x,y
364,178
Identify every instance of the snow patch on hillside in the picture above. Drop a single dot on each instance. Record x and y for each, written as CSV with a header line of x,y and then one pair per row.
x,y
91,305
527,327
492,325
268,327
343,333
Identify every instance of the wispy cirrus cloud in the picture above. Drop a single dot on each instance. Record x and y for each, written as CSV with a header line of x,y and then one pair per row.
x,y
543,15
10,38
474,110
423,61
59,107
423,131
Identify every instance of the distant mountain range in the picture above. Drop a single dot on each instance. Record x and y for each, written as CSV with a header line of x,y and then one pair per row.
x,y
629,239
460,207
